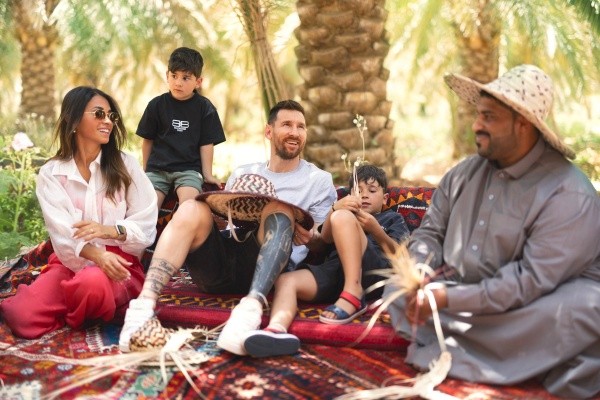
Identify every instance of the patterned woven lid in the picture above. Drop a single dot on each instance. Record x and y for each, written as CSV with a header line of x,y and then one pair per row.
x,y
249,194
526,89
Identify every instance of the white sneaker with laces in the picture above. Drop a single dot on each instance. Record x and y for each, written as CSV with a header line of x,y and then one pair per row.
x,y
245,317
139,311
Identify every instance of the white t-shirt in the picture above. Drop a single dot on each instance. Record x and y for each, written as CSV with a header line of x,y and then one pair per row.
x,y
307,187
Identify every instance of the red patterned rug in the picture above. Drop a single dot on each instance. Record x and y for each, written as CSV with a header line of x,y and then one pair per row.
x,y
326,367
329,364
32,369
181,304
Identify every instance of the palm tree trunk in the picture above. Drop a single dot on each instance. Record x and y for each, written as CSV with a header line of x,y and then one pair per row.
x,y
38,38
341,51
477,27
253,14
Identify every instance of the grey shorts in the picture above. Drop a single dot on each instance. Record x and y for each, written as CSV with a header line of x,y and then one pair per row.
x,y
163,181
223,265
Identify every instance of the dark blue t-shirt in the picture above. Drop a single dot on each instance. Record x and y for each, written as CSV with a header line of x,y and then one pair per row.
x,y
178,129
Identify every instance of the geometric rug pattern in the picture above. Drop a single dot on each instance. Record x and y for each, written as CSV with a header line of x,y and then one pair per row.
x,y
33,368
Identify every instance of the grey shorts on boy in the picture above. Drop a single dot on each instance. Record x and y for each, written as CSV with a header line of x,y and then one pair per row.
x,y
163,181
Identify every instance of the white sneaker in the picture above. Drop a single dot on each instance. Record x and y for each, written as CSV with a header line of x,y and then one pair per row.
x,y
245,317
139,311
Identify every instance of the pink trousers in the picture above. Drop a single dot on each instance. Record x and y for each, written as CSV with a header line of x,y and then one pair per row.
x,y
59,296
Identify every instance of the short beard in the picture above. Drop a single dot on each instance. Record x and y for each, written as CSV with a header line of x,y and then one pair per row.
x,y
284,155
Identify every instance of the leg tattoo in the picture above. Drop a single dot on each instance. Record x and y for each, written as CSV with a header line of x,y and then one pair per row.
x,y
274,254
159,274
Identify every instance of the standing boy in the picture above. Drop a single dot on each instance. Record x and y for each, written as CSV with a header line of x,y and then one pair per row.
x,y
180,129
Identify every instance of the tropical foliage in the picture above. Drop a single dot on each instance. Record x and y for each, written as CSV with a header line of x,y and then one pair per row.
x,y
258,50
111,44
480,38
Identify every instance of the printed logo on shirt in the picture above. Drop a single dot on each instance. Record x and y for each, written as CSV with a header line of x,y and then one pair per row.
x,y
180,126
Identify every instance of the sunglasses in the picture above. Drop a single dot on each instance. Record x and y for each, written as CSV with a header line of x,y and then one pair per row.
x,y
101,114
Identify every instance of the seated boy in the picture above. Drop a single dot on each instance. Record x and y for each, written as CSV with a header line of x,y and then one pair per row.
x,y
180,129
361,234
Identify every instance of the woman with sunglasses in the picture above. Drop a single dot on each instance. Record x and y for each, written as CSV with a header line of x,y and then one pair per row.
x,y
100,211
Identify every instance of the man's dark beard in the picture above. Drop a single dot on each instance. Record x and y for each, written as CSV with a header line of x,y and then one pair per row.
x,y
285,155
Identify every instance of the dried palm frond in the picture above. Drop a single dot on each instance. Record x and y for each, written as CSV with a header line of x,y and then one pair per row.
x,y
361,125
176,351
423,385
405,275
408,277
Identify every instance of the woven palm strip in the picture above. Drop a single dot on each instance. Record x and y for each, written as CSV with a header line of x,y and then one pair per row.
x,y
152,335
253,183
246,207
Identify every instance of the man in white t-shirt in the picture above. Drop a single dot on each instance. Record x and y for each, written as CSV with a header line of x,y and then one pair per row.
x,y
249,261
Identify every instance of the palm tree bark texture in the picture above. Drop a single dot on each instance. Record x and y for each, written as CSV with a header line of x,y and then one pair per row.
x,y
477,27
341,51
38,36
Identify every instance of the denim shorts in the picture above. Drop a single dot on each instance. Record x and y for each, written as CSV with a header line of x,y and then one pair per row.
x,y
163,181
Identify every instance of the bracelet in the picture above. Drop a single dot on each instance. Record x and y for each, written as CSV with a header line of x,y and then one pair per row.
x,y
332,209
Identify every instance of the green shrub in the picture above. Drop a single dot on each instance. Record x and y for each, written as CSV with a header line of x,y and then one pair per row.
x,y
21,220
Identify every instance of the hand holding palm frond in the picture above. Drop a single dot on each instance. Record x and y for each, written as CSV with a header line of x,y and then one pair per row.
x,y
409,279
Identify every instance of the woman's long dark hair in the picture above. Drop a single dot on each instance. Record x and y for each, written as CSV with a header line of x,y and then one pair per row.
x,y
112,166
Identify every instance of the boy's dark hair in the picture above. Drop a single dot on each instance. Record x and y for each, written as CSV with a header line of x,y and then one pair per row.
x,y
186,60
367,172
284,105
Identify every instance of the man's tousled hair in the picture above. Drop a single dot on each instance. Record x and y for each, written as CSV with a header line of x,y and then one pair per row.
x,y
284,105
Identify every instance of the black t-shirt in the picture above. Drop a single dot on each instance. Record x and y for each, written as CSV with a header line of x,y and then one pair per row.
x,y
178,129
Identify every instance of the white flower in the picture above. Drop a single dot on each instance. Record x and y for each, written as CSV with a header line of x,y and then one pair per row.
x,y
21,141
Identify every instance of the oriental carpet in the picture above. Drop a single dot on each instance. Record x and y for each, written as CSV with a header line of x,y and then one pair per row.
x,y
32,369
329,364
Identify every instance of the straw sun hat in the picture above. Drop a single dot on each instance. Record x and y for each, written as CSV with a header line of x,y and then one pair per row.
x,y
526,89
249,194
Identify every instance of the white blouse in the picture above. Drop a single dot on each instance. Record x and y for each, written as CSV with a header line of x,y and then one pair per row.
x,y
65,198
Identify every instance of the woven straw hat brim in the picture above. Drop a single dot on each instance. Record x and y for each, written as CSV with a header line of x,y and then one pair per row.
x,y
247,207
469,90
